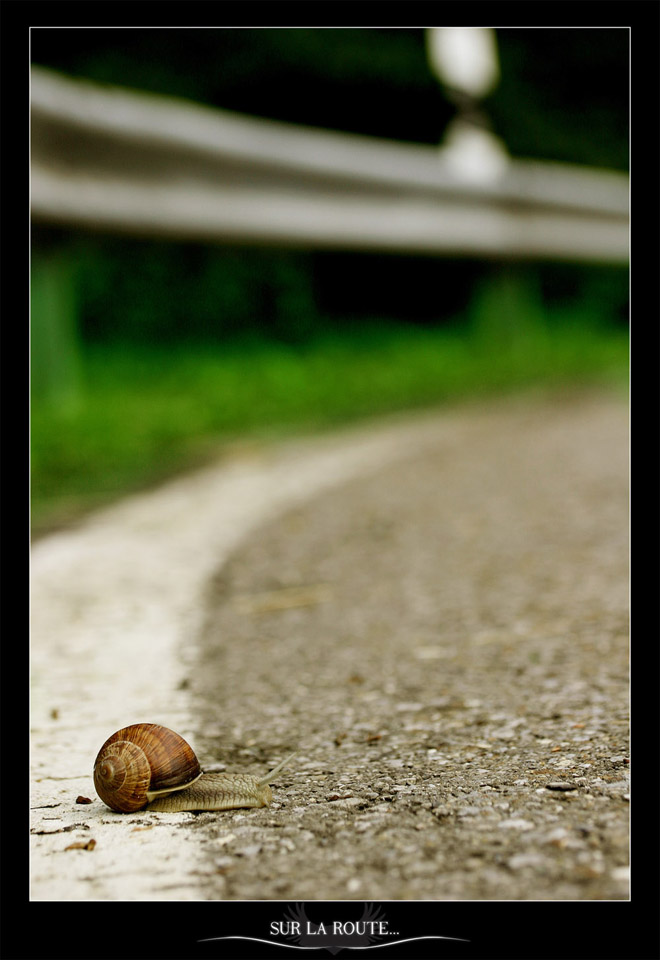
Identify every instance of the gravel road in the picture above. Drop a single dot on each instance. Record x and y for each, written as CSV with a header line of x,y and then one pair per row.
x,y
432,610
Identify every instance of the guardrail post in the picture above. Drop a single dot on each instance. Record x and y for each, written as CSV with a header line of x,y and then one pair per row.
x,y
465,61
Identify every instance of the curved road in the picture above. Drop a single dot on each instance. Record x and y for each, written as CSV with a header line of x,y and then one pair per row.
x,y
433,610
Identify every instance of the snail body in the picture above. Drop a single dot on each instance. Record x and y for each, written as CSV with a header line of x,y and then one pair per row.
x,y
148,765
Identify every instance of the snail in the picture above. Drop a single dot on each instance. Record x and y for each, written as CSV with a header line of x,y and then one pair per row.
x,y
147,765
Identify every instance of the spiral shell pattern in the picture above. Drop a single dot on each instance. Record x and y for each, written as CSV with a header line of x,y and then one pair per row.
x,y
122,776
139,762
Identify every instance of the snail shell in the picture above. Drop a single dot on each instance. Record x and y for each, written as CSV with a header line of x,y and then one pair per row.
x,y
140,762
147,764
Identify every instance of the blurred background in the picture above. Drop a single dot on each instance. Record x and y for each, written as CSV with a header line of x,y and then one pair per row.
x,y
151,355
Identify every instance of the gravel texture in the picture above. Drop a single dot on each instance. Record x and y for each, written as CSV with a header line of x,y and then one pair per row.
x,y
438,627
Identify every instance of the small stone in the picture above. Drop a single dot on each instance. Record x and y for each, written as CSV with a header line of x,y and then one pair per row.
x,y
251,850
506,734
349,803
516,823
590,871
620,786
564,763
560,785
82,845
84,800
558,837
522,860
362,826
226,838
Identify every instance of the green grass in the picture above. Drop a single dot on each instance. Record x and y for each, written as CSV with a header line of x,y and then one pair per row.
x,y
143,415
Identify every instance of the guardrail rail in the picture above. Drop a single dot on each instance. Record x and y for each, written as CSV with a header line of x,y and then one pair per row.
x,y
112,159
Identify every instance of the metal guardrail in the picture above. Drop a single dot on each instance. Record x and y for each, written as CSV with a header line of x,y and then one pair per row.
x,y
115,160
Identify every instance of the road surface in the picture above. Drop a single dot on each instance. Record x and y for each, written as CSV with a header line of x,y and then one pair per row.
x,y
431,609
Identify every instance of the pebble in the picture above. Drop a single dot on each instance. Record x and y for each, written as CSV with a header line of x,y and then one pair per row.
x,y
564,763
348,803
558,837
516,823
560,785
227,838
621,786
368,823
251,850
522,860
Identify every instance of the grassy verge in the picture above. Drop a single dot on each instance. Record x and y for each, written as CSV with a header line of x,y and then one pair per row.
x,y
145,414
